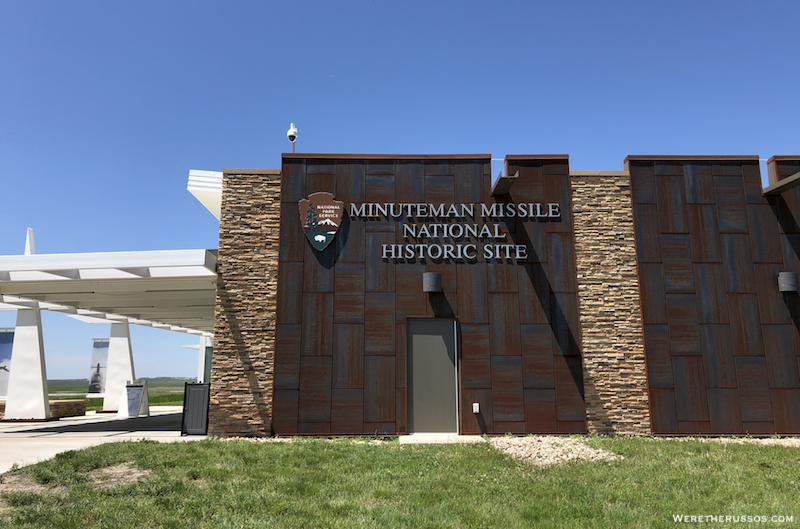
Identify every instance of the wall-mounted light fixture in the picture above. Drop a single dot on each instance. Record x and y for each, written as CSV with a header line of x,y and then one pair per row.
x,y
431,282
787,282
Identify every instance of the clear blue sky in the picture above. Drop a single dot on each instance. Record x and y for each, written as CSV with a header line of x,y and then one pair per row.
x,y
105,106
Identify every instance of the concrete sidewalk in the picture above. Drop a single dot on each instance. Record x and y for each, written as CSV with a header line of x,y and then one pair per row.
x,y
25,443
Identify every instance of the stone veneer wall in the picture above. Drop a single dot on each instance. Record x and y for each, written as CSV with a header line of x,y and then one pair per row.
x,y
612,343
243,365
60,408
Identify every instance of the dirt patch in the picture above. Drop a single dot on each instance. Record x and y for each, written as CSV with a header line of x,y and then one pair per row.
x,y
24,484
544,451
122,474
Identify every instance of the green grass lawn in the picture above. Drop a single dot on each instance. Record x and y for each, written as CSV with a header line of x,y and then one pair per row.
x,y
341,483
162,391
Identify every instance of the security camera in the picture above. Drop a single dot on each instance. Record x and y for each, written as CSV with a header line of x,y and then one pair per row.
x,y
292,133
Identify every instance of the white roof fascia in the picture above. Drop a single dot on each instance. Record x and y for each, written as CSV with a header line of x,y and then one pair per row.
x,y
206,186
62,263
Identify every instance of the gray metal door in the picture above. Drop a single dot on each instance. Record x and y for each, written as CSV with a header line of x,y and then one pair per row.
x,y
432,378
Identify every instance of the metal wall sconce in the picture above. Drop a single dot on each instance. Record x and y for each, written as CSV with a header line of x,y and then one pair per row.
x,y
431,282
787,282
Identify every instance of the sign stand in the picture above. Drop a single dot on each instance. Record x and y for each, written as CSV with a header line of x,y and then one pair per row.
x,y
134,401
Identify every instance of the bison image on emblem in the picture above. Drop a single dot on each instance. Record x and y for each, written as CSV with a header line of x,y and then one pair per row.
x,y
320,216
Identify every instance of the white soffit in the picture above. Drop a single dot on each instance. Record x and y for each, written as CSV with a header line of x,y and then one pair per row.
x,y
174,289
206,186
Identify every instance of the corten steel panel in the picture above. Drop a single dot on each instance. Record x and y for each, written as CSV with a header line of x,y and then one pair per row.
x,y
468,182
759,427
504,327
668,168
293,182
725,168
791,252
534,294
502,276
318,275
507,396
400,359
771,305
538,371
704,234
320,181
694,428
472,306
786,409
379,324
476,423
380,167
676,255
379,396
574,427
351,239
448,271
320,167
643,183
380,273
410,181
348,356
317,324
690,389
648,247
784,205
718,359
564,322
659,359
672,215
651,292
284,411
347,411
663,412
509,427
745,325
712,301
287,356
348,297
315,389
533,234
684,329
569,388
540,411
442,305
529,186
401,412
738,262
314,428
438,168
380,189
290,295
754,397
476,371
781,357
752,183
557,190
409,298
350,182
439,189
699,183
291,233
561,262
766,243
731,209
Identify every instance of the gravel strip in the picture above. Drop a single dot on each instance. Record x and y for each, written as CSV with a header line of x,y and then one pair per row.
x,y
544,450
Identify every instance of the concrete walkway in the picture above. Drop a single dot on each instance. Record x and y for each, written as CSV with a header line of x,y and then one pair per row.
x,y
439,438
25,443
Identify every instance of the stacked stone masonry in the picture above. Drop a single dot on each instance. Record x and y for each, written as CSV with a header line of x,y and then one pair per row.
x,y
60,408
243,365
612,345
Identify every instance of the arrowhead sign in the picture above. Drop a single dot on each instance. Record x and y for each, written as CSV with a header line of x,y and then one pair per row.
x,y
320,216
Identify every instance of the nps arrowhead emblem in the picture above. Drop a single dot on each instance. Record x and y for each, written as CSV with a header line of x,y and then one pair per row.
x,y
320,216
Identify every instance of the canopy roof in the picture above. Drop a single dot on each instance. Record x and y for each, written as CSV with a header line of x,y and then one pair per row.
x,y
174,289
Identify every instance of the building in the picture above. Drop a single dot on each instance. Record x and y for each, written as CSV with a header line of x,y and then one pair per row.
x,y
371,294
